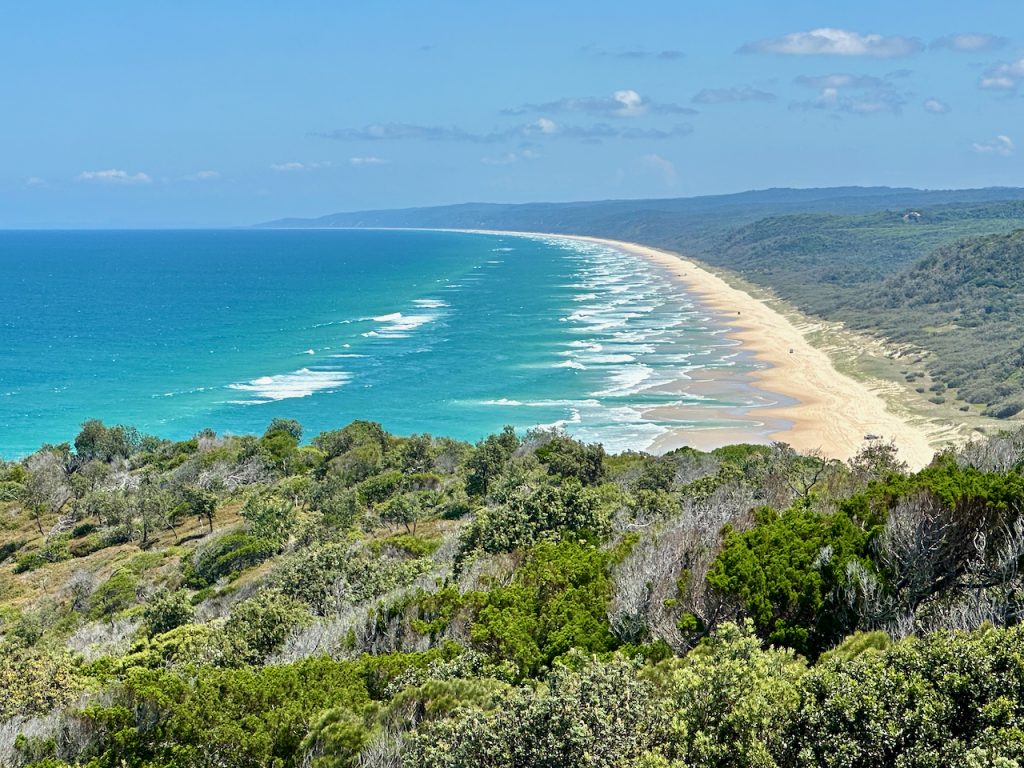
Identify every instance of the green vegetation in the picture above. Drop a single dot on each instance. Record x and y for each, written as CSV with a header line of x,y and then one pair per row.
x,y
946,282
372,600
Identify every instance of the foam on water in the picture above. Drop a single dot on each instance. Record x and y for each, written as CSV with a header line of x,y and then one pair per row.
x,y
422,331
284,386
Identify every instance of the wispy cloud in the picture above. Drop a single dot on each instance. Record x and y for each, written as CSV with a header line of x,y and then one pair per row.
x,y
115,176
659,167
839,80
853,94
293,166
970,42
365,160
542,127
636,54
622,103
202,176
1001,145
829,41
731,95
35,181
509,158
936,107
402,131
1004,76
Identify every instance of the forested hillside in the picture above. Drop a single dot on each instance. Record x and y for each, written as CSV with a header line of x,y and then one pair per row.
x,y
964,303
372,600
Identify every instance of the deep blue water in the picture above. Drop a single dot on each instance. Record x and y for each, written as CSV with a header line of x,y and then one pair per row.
x,y
449,333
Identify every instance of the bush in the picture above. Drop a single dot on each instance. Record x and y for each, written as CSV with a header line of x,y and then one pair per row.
x,y
557,601
259,626
228,554
531,513
167,611
597,714
233,718
8,548
114,595
945,700
83,529
28,561
786,573
1004,410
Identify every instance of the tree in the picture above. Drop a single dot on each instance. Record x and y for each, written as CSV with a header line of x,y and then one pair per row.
x,y
290,427
96,441
155,507
200,503
489,459
402,509
46,487
269,517
566,457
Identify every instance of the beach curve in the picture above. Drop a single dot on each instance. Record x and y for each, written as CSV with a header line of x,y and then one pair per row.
x,y
827,411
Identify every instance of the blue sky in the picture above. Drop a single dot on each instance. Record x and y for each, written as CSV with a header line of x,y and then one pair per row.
x,y
226,113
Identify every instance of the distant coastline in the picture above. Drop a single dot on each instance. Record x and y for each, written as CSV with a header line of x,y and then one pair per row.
x,y
826,410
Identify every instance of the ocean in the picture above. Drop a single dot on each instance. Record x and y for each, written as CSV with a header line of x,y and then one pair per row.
x,y
442,332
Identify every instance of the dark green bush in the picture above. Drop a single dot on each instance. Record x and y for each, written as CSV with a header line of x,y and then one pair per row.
x,y
227,555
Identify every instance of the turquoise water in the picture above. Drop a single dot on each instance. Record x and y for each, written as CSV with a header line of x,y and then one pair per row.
x,y
449,333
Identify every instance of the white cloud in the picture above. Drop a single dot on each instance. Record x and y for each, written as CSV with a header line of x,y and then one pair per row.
x,y
359,162
35,181
829,41
202,176
970,42
1001,145
115,176
1004,76
632,103
936,107
545,126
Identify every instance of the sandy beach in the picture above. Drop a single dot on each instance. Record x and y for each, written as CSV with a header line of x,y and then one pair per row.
x,y
821,408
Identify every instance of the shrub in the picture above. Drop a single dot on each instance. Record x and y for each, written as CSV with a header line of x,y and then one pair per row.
x,y
8,548
786,573
114,595
83,529
28,561
557,601
226,555
596,714
259,626
167,611
531,513
1004,410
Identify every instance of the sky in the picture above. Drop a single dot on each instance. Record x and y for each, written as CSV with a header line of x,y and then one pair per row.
x,y
226,113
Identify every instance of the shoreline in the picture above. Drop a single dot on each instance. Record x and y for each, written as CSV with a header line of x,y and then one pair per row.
x,y
828,410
